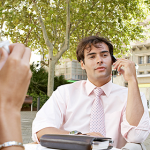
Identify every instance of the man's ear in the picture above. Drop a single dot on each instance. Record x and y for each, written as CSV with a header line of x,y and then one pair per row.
x,y
82,64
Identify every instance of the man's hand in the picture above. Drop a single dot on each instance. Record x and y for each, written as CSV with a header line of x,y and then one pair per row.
x,y
128,71
14,77
134,109
97,134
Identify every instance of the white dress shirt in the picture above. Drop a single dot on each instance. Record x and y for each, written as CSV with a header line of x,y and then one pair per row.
x,y
69,108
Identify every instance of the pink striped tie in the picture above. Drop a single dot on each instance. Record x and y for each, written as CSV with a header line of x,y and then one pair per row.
x,y
97,121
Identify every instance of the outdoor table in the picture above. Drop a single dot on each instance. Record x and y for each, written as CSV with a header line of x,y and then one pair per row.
x,y
39,147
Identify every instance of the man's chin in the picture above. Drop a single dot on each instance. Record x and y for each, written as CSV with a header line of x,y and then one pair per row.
x,y
104,77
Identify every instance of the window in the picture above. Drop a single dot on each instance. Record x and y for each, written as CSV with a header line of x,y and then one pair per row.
x,y
74,70
141,59
68,64
74,64
148,59
126,84
62,70
141,72
67,76
73,77
148,72
78,65
62,65
84,77
78,76
68,70
79,71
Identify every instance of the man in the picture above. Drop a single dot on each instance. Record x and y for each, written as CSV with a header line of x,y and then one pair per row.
x,y
124,113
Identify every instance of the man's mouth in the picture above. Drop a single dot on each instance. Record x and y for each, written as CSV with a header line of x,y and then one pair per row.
x,y
100,68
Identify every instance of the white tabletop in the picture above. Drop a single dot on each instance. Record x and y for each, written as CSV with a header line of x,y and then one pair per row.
x,y
39,147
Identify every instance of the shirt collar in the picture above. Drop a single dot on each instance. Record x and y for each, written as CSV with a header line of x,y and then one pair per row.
x,y
106,87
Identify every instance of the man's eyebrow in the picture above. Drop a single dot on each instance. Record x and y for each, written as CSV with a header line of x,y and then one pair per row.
x,y
91,54
105,51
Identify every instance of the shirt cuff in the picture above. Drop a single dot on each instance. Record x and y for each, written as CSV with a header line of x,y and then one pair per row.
x,y
36,129
136,134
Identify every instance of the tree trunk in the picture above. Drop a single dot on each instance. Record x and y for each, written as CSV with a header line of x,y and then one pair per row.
x,y
54,59
51,72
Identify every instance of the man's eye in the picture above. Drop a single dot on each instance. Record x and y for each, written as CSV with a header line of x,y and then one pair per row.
x,y
92,56
105,55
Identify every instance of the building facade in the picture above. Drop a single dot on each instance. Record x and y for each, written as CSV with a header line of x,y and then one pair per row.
x,y
140,55
71,70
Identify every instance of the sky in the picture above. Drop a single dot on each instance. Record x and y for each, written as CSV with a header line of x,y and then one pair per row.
x,y
34,56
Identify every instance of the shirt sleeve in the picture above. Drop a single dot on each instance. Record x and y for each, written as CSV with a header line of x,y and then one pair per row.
x,y
137,134
50,115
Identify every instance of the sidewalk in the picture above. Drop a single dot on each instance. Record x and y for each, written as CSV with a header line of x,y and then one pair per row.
x,y
26,124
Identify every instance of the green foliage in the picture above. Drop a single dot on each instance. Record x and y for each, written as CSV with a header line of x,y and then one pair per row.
x,y
116,19
59,81
43,99
38,83
119,20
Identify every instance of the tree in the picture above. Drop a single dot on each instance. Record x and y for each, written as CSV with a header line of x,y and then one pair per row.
x,y
59,80
47,25
38,84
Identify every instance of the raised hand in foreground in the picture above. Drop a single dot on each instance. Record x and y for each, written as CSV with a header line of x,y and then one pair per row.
x,y
15,77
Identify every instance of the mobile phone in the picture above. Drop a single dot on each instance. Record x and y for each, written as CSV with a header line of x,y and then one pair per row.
x,y
114,58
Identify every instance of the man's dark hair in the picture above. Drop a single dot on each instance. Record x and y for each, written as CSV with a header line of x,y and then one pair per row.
x,y
87,42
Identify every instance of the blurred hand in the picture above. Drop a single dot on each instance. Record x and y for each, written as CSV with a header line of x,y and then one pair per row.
x,y
3,57
15,77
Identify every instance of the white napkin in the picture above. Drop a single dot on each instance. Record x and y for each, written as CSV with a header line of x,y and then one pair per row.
x,y
5,45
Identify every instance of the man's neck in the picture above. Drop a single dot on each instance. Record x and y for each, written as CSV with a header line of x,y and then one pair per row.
x,y
99,83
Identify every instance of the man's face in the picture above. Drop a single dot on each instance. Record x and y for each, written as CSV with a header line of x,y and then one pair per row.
x,y
97,64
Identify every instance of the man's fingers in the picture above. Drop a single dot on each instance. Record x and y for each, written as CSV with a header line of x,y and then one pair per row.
x,y
17,50
119,67
27,55
120,63
121,71
95,134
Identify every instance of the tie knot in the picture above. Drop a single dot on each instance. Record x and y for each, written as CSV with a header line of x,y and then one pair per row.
x,y
98,91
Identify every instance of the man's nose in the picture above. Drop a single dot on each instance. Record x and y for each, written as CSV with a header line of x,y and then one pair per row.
x,y
99,59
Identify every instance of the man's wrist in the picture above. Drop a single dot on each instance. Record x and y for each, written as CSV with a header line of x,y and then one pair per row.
x,y
133,81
